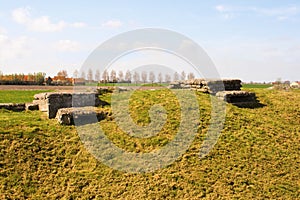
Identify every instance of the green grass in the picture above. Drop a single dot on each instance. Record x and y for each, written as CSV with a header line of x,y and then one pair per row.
x,y
140,103
18,96
256,156
131,84
156,84
246,86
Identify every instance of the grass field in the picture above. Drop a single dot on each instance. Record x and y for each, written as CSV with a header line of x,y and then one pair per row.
x,y
245,86
127,84
256,157
18,96
248,85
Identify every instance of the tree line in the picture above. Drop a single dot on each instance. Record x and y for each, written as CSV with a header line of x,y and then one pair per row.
x,y
22,79
114,76
106,76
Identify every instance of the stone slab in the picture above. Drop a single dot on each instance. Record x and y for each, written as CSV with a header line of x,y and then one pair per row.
x,y
80,115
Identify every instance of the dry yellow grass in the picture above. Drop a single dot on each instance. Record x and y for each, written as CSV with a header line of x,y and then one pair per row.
x,y
256,157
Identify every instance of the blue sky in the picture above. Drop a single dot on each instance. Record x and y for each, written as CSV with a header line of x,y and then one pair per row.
x,y
251,40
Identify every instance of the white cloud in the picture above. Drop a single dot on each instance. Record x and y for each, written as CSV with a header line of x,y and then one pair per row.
x,y
280,13
227,12
2,30
21,15
42,23
220,8
291,10
67,45
11,48
112,24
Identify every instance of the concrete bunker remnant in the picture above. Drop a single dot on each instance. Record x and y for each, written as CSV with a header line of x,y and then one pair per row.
x,y
228,90
82,115
51,102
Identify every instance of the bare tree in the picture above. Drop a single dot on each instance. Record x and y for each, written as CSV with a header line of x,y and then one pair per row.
x,y
136,77
105,76
113,76
97,75
128,76
191,76
152,77
62,73
176,76
82,75
167,78
90,75
121,75
144,76
159,77
75,73
183,75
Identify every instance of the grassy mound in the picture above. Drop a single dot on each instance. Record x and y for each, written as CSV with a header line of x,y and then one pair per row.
x,y
257,155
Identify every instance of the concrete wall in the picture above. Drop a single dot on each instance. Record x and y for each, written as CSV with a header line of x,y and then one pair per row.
x,y
51,102
208,86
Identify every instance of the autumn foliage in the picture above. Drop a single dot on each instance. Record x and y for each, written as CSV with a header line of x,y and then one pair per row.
x,y
21,79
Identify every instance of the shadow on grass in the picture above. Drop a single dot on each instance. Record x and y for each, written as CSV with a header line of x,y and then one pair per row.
x,y
249,105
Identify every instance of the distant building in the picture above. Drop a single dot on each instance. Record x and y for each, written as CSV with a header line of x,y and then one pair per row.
x,y
295,84
59,80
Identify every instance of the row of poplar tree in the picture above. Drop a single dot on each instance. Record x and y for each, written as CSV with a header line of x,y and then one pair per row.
x,y
131,76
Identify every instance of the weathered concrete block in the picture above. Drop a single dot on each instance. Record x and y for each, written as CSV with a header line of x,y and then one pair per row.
x,y
221,85
104,90
175,85
122,89
31,106
80,115
51,102
208,85
238,98
13,106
